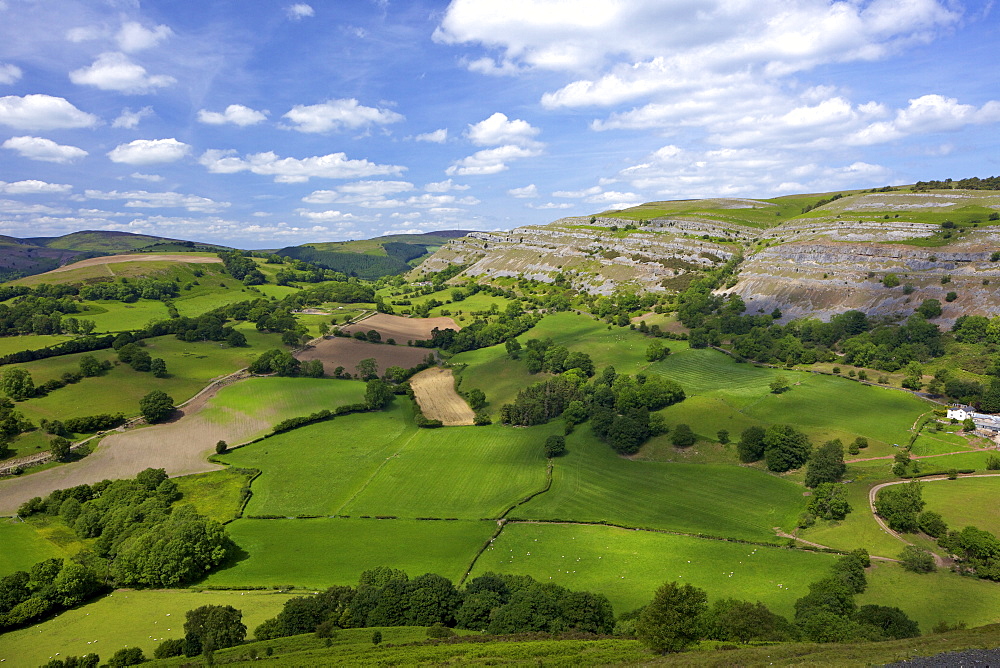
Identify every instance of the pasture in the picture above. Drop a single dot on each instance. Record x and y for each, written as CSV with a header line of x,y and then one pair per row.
x,y
495,373
933,597
127,618
434,390
216,494
14,344
965,502
342,352
859,528
324,552
627,565
593,484
23,547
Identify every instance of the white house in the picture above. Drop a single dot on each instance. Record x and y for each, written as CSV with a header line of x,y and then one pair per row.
x,y
959,412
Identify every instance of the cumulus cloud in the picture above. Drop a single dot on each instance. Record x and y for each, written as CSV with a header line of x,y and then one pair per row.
x,y
136,37
43,112
149,151
15,208
525,192
299,11
236,114
379,195
9,73
498,129
130,119
326,216
925,115
435,137
143,199
444,186
45,150
114,71
491,160
33,187
294,170
549,205
578,194
152,178
334,115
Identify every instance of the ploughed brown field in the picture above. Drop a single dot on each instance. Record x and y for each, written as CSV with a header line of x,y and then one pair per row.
x,y
434,390
144,257
402,329
337,351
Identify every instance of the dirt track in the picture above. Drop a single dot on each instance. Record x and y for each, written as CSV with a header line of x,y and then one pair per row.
x,y
339,351
434,390
402,329
114,259
180,446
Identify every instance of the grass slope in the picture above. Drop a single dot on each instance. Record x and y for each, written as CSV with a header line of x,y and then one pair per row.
x,y
627,566
965,502
591,483
325,552
126,618
23,547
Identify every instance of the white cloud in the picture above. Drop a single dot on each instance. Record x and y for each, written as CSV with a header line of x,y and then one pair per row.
x,y
498,129
490,161
299,11
152,178
84,34
142,199
490,67
435,137
525,192
326,216
578,194
375,188
9,73
550,205
337,115
43,112
114,71
14,208
130,119
444,186
236,114
45,150
32,187
925,115
149,151
293,170
376,195
135,37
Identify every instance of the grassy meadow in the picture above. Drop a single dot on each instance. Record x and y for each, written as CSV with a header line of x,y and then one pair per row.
x,y
965,502
627,566
324,552
23,546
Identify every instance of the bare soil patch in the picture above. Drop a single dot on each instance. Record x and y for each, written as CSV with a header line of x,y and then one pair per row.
x,y
339,351
434,390
145,257
402,329
181,446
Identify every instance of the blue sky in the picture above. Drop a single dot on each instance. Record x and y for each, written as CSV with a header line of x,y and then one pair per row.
x,y
263,124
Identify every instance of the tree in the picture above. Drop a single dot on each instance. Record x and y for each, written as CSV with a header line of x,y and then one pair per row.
x,y
127,656
785,448
930,308
158,367
916,560
513,348
213,627
221,447
779,384
900,505
236,339
367,368
723,436
156,406
16,382
656,351
671,622
829,502
932,524
826,464
476,398
742,621
682,436
892,623
59,449
378,393
555,445
312,369
751,444
90,366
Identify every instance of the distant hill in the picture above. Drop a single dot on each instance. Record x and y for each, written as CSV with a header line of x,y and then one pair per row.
x,y
373,258
36,255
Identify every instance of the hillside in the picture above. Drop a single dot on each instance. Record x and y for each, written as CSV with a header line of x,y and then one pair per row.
x,y
805,255
372,258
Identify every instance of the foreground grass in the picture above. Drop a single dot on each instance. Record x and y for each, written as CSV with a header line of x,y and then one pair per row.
x,y
325,552
23,546
627,566
965,502
591,483
126,617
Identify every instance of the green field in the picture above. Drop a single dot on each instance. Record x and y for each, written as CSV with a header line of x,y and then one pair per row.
x,y
23,546
217,494
325,552
114,316
191,366
380,464
724,394
591,483
127,618
627,566
496,374
13,344
933,597
965,502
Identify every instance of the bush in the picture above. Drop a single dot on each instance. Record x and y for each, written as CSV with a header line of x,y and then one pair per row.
x,y
168,648
682,436
555,445
916,560
127,656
